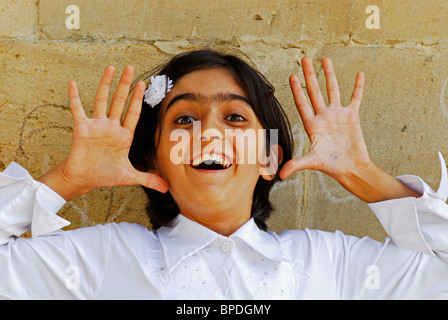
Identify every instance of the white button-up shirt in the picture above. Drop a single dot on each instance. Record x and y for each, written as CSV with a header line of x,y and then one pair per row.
x,y
189,261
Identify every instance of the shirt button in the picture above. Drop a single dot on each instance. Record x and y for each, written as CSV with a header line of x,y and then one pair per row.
x,y
226,247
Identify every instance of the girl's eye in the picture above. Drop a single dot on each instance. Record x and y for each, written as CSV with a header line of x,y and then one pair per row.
x,y
235,118
185,120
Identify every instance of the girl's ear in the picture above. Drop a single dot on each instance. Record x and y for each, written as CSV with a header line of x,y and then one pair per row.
x,y
269,170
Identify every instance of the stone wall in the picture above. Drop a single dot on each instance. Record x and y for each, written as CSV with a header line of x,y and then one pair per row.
x,y
402,48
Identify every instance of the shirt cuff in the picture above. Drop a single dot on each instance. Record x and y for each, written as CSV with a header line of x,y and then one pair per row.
x,y
419,224
26,204
46,206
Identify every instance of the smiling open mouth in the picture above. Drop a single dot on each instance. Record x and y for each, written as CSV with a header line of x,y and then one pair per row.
x,y
211,162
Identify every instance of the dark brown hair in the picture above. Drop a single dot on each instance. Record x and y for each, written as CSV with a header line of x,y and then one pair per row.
x,y
161,207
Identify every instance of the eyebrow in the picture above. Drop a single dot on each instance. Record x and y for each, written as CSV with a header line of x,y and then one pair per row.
x,y
219,97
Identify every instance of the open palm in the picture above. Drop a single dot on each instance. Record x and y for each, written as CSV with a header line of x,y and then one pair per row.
x,y
337,142
99,153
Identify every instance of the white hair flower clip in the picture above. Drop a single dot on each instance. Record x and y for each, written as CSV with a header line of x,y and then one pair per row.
x,y
157,90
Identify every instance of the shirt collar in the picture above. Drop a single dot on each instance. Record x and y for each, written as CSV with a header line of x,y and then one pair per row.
x,y
185,237
265,243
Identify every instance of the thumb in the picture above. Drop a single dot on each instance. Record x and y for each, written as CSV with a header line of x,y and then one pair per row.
x,y
151,181
297,164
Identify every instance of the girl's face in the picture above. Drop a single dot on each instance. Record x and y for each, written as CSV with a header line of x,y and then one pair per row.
x,y
201,115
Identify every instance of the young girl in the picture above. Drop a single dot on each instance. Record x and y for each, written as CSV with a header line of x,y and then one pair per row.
x,y
209,210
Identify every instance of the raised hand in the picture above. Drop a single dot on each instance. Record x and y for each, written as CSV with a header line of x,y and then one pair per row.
x,y
99,153
338,145
338,148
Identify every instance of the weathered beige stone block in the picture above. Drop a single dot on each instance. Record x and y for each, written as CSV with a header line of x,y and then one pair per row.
x,y
409,21
18,18
285,21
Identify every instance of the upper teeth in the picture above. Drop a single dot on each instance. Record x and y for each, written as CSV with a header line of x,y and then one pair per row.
x,y
211,157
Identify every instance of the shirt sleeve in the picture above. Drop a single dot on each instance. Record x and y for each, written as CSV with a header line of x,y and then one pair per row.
x,y
26,204
412,262
53,264
418,224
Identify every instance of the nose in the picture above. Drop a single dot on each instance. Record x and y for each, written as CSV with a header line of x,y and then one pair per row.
x,y
209,130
